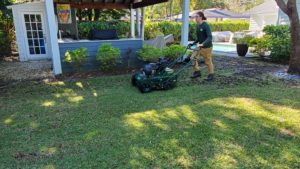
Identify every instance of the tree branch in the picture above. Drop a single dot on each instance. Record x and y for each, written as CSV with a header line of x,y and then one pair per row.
x,y
282,5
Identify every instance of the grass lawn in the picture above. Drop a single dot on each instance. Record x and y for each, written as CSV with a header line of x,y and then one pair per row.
x,y
107,123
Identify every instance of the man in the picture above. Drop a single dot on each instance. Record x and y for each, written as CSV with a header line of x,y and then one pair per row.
x,y
204,47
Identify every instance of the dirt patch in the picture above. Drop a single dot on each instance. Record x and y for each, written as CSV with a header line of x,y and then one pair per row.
x,y
229,72
32,156
18,71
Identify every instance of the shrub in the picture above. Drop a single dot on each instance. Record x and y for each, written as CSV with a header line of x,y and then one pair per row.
x,y
279,42
173,51
149,53
261,45
77,57
277,39
108,56
123,28
244,40
152,29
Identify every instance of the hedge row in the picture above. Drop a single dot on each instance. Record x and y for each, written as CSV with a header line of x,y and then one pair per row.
x,y
152,29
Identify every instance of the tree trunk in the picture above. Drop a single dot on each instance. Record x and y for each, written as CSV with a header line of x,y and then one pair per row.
x,y
79,14
290,8
90,14
294,64
171,10
97,14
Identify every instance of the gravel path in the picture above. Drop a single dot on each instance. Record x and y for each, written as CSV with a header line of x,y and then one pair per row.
x,y
18,71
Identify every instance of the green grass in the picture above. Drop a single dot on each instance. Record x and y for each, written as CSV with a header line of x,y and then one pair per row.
x,y
107,123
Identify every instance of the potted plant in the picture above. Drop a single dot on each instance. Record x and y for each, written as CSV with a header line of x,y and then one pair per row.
x,y
242,44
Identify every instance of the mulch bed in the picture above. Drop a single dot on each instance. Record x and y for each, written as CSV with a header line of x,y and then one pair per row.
x,y
237,71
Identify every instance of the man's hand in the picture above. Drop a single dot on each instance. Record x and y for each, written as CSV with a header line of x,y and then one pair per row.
x,y
190,45
201,45
187,59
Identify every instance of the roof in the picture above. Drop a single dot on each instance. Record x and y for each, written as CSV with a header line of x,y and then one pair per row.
x,y
23,3
268,7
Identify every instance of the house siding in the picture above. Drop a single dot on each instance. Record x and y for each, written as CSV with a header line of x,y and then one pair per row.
x,y
128,49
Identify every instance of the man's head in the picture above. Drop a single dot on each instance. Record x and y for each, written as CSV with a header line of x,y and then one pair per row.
x,y
199,17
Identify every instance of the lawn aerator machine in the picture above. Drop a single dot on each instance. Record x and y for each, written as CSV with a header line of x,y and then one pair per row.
x,y
161,75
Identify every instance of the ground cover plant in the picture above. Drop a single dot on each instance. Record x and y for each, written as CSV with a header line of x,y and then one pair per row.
x,y
243,119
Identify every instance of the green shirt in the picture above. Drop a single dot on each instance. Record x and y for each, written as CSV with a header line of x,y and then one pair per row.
x,y
204,35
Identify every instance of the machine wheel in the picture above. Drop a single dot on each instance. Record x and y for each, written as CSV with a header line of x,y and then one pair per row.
x,y
169,85
145,88
133,79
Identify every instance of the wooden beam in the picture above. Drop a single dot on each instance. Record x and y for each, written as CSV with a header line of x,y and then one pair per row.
x,y
96,5
144,3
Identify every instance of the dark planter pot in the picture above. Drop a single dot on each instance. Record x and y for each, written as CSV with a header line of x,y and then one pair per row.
x,y
242,49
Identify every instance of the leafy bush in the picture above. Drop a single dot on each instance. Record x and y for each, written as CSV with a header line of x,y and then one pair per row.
x,y
261,45
152,29
173,51
277,39
123,28
108,56
149,53
77,57
244,40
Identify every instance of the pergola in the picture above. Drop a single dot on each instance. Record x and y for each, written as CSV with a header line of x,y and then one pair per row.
x,y
46,30
109,4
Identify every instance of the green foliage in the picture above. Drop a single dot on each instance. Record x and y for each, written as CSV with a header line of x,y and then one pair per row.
x,y
174,28
100,14
77,57
123,28
7,34
173,51
244,40
108,56
261,45
277,40
153,29
149,53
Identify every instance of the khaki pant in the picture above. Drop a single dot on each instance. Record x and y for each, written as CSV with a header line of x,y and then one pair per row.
x,y
207,55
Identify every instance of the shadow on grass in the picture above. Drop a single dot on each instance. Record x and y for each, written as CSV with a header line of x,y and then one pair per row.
x,y
107,123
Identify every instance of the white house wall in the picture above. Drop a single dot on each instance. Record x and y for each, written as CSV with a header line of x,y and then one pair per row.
x,y
255,22
18,11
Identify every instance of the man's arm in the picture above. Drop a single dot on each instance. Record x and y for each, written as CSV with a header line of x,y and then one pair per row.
x,y
197,40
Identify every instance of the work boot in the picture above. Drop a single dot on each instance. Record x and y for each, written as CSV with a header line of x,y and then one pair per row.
x,y
210,77
196,74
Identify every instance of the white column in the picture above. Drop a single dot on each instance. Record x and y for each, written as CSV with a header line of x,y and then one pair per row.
x,y
132,31
185,23
143,24
138,23
52,28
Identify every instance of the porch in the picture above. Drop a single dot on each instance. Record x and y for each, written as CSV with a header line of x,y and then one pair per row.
x,y
40,32
128,48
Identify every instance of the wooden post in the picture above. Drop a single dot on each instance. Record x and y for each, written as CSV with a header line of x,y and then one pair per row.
x,y
185,23
143,24
132,31
52,28
138,23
